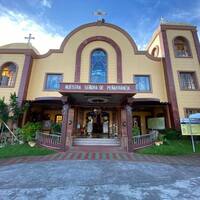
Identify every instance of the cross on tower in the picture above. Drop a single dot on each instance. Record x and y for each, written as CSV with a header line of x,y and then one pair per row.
x,y
100,14
29,38
162,20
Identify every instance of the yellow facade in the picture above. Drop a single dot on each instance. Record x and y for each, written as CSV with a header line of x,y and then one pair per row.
x,y
18,60
134,62
64,63
156,43
185,99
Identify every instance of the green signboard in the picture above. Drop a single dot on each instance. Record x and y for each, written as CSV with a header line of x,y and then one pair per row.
x,y
190,126
157,123
185,129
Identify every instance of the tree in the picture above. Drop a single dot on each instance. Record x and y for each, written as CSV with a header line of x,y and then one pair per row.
x,y
4,116
10,112
15,109
4,110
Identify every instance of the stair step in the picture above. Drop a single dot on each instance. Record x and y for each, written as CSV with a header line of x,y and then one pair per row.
x,y
96,148
96,141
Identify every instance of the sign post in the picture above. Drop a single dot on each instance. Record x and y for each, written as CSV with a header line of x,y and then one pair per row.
x,y
192,138
191,126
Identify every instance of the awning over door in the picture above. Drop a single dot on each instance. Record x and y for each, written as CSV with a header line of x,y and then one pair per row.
x,y
97,94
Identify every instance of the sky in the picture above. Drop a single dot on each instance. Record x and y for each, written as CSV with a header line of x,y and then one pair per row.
x,y
49,21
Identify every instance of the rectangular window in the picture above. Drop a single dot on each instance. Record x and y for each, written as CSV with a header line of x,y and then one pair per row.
x,y
142,83
188,81
189,111
53,81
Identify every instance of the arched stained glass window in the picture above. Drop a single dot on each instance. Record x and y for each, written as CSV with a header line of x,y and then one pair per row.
x,y
98,69
181,47
8,75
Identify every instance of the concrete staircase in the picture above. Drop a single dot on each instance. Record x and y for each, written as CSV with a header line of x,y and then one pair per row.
x,y
112,142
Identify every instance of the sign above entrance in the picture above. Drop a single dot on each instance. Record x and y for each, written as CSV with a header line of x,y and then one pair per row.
x,y
97,88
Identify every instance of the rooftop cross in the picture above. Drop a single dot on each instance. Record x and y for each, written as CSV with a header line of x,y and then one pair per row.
x,y
162,20
29,38
100,14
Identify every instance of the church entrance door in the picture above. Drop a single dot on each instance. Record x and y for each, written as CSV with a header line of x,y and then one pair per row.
x,y
97,124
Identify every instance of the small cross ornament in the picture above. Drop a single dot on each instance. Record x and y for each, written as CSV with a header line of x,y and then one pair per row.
x,y
29,38
99,14
162,20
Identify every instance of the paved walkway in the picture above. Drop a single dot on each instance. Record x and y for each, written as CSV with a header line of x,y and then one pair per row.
x,y
98,180
120,156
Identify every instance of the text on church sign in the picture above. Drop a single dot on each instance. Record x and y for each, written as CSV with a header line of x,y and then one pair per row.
x,y
95,88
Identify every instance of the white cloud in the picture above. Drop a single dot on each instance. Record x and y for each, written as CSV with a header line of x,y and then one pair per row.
x,y
15,26
141,47
185,14
46,3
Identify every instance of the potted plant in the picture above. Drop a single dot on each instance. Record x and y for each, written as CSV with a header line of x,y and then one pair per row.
x,y
55,128
135,131
28,132
160,140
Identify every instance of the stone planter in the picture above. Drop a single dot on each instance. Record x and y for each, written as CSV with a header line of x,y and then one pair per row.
x,y
158,143
31,143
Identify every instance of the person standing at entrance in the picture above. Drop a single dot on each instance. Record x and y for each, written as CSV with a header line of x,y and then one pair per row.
x,y
90,126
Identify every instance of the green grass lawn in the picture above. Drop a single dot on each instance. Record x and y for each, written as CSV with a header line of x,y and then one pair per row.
x,y
175,147
23,150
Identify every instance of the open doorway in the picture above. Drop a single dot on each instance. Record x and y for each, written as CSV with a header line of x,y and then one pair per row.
x,y
97,124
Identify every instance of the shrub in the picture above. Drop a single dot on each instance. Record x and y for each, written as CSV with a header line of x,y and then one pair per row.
x,y
171,134
4,111
55,128
15,110
135,131
28,131
162,137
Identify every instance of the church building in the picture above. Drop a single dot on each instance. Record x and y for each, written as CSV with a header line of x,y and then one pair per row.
x,y
99,86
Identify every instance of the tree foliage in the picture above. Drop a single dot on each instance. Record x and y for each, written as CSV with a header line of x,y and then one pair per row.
x,y
15,109
29,130
4,110
135,131
12,110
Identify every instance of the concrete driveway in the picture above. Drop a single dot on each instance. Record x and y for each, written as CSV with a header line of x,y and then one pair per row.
x,y
82,179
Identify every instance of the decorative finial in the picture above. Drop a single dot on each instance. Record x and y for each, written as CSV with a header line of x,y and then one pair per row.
x,y
100,14
162,20
29,38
